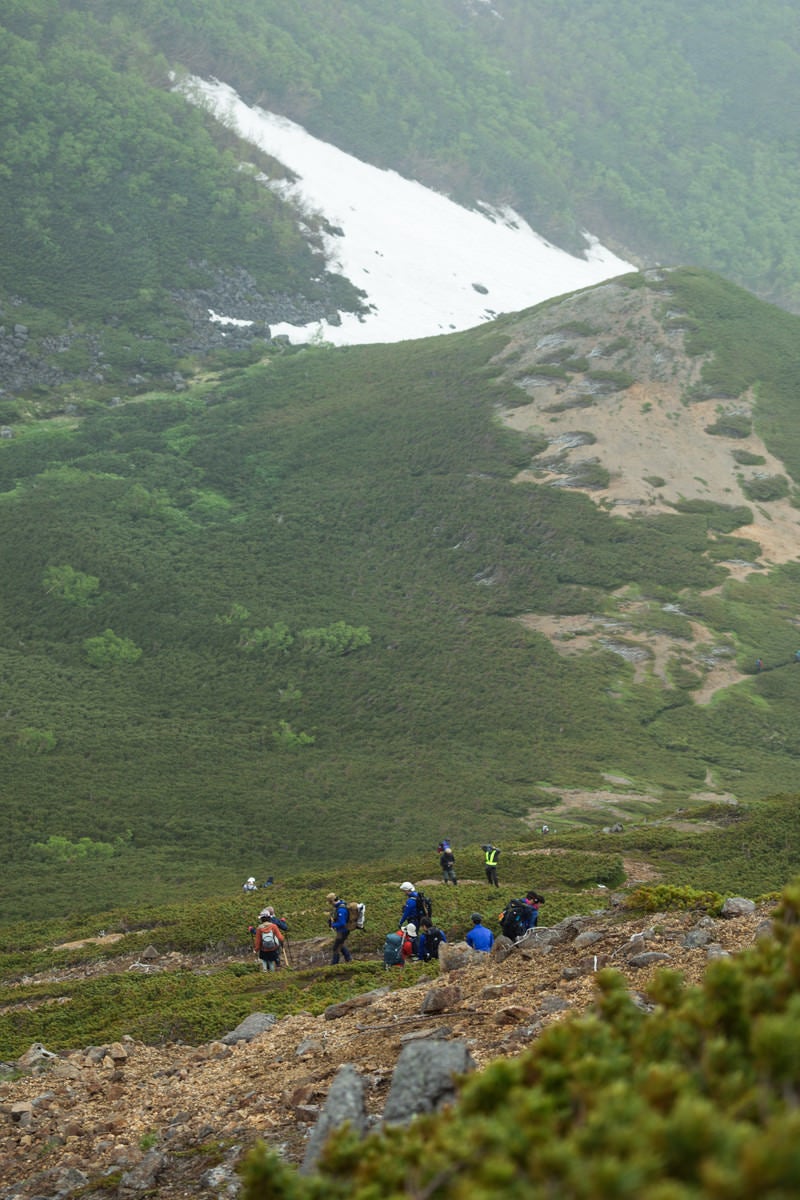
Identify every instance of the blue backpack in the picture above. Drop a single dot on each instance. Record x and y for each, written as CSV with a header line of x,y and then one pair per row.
x,y
393,950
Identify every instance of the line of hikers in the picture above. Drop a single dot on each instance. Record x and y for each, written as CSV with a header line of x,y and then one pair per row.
x,y
447,862
417,937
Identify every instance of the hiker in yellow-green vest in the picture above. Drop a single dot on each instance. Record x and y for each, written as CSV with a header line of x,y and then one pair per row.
x,y
490,863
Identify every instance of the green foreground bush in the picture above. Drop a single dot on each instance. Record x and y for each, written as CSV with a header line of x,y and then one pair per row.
x,y
697,1098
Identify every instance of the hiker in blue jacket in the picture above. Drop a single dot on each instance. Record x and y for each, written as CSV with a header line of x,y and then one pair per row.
x,y
409,912
339,923
479,937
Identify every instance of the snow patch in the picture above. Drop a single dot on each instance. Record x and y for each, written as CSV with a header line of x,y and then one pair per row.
x,y
414,252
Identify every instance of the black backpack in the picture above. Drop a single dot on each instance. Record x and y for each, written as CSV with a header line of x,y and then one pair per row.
x,y
514,919
424,908
433,940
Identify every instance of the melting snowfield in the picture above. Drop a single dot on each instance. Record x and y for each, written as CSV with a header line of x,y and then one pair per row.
x,y
427,265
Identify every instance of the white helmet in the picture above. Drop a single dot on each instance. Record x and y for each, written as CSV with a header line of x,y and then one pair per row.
x,y
406,887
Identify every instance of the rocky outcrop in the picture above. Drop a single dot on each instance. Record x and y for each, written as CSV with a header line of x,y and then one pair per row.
x,y
31,363
130,1119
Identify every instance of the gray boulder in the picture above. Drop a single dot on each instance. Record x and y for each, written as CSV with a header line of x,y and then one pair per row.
x,y
143,1175
738,906
648,958
423,1079
588,938
455,955
334,1011
250,1027
695,938
345,1103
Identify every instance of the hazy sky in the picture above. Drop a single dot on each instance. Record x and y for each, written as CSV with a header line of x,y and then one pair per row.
x,y
416,254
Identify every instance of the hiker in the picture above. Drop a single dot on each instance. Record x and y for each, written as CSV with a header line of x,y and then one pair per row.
x,y
533,900
398,947
447,861
249,884
339,922
267,942
519,916
479,937
759,665
268,914
491,853
409,912
429,941
417,905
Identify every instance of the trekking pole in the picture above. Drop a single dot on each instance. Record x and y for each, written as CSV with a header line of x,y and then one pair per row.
x,y
286,953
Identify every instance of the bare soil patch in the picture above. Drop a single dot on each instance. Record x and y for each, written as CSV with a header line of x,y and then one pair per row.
x,y
651,436
649,653
106,939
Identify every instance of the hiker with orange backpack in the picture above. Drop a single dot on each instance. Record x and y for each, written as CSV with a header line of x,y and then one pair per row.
x,y
268,941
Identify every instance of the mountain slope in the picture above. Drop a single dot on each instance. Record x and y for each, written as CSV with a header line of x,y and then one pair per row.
x,y
306,586
125,212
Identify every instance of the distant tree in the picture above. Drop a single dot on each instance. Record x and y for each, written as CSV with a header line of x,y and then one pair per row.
x,y
108,650
286,737
766,487
335,639
73,586
271,637
40,741
63,850
236,612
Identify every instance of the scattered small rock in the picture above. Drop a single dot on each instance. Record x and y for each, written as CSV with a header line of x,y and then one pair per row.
x,y
648,958
441,999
